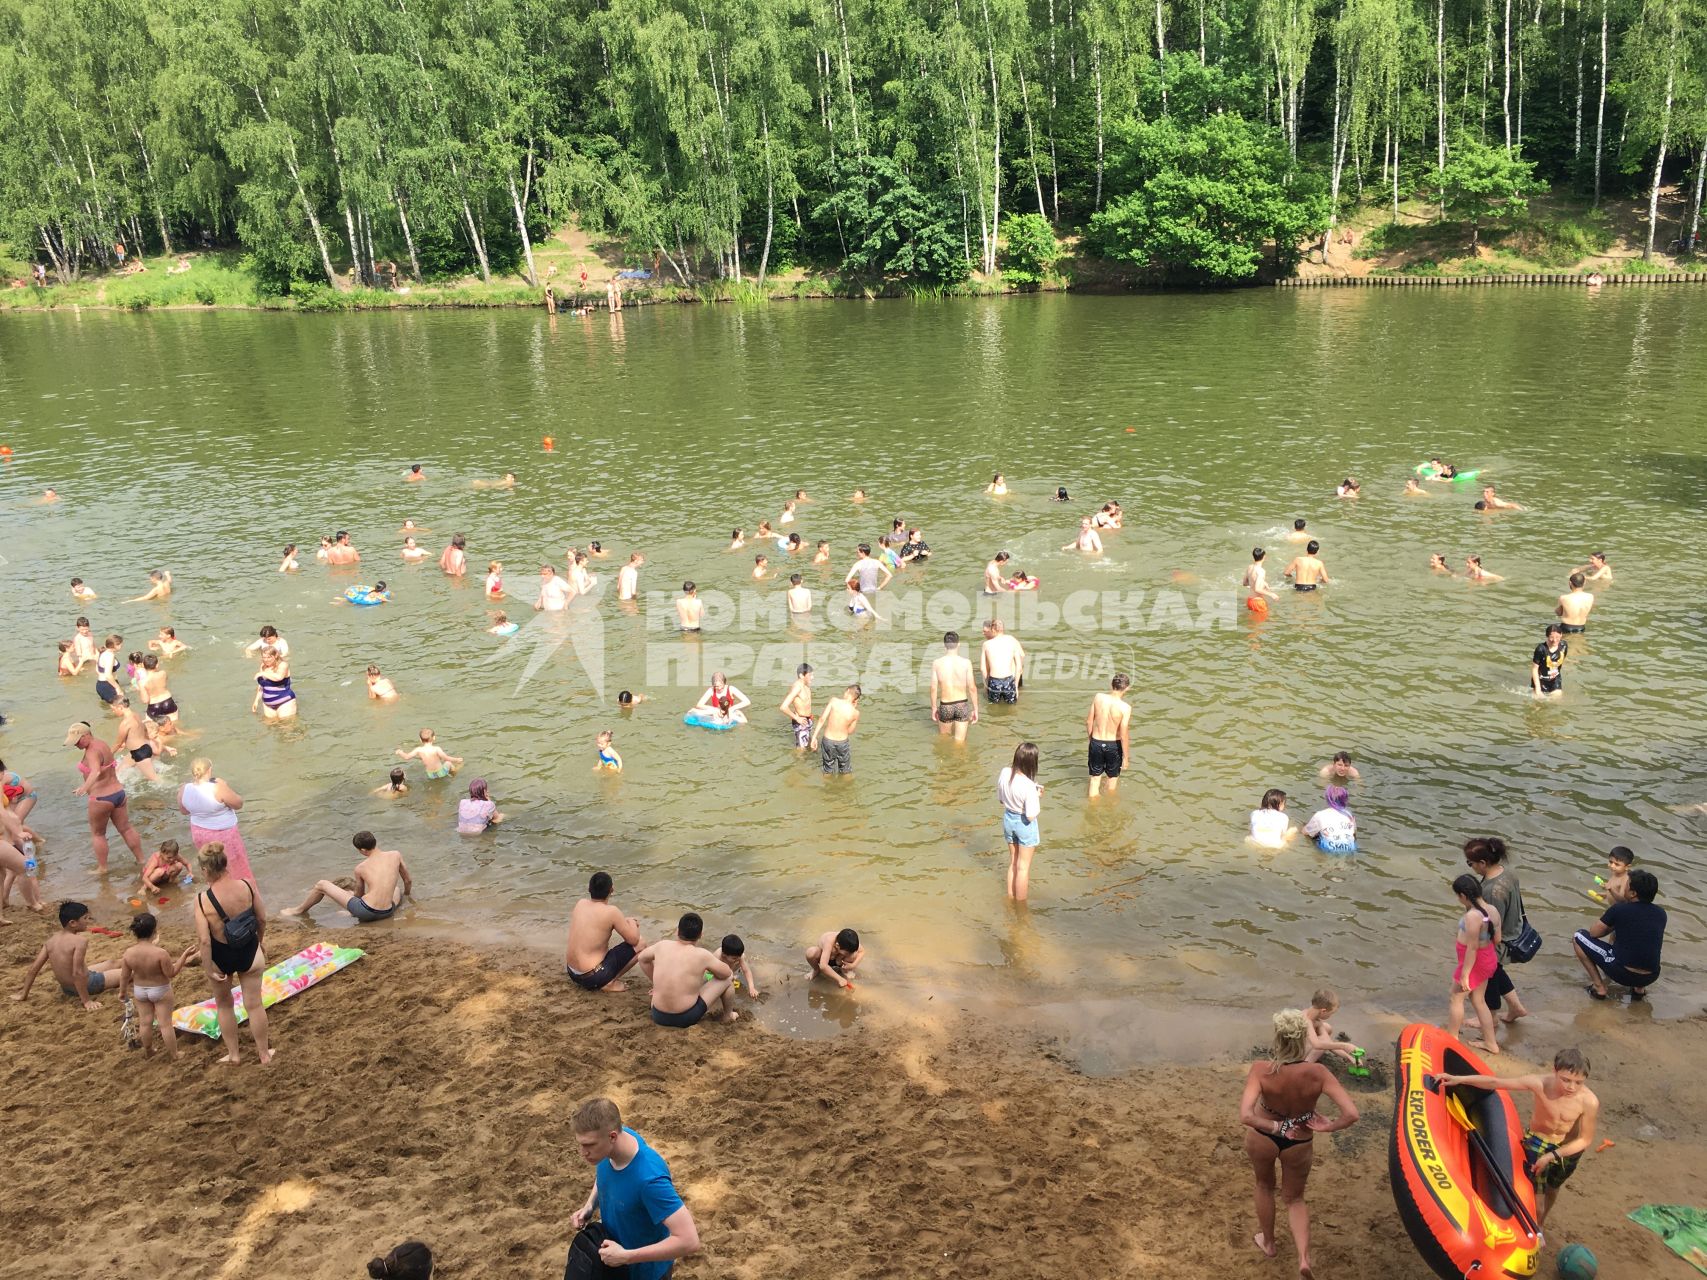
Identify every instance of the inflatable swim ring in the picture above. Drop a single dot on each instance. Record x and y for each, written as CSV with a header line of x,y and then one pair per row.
x,y
362,596
1030,584
1456,1164
703,722
1429,473
508,629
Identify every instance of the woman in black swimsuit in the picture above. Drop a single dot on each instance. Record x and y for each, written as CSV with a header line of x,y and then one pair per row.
x,y
1278,1111
231,924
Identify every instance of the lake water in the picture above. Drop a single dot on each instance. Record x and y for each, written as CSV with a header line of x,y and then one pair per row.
x,y
204,442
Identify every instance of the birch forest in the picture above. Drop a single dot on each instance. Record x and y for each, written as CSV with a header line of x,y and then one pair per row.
x,y
732,139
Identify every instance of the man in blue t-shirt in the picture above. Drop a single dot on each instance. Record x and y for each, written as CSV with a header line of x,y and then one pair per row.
x,y
632,1194
1624,944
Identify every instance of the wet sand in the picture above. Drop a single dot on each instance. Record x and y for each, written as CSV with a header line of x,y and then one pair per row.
x,y
426,1092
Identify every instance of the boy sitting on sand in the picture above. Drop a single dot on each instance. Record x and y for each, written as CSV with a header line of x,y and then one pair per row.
x,y
66,953
145,975
435,759
836,956
733,952
1319,1032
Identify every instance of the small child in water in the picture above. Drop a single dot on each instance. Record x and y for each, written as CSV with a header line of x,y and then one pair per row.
x,y
80,590
164,867
628,701
501,624
733,952
145,976
1619,860
380,687
1319,1032
396,787
494,579
608,758
435,759
835,956
167,644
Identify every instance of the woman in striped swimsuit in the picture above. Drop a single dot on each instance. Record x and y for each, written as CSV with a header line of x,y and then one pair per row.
x,y
273,695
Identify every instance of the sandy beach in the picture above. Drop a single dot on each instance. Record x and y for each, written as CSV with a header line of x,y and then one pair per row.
x,y
426,1092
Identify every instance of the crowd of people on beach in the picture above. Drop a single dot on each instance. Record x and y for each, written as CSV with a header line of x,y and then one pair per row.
x,y
646,1225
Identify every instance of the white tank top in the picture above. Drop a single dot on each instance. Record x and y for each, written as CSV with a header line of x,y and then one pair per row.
x,y
205,809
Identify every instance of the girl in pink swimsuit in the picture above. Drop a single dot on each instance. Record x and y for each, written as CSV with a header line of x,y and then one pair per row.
x,y
1478,955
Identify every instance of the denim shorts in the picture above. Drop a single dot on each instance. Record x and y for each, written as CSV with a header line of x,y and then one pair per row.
x,y
1020,830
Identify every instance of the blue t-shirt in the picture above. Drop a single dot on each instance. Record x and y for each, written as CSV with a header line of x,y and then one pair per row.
x,y
633,1203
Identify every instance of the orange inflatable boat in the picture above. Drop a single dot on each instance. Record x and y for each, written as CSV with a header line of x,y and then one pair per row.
x,y
1456,1161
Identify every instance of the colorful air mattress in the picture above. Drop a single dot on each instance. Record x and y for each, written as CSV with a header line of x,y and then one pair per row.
x,y
280,982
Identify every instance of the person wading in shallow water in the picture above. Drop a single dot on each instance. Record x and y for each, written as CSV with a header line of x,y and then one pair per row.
x,y
1278,1110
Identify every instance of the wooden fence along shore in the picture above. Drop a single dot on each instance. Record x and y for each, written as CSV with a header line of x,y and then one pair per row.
x,y
1528,277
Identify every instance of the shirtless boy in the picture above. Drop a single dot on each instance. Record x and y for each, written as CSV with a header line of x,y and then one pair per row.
x,y
132,737
1108,723
797,706
108,803
382,882
1574,606
1561,1127
1299,532
690,609
1256,576
954,693
161,704
836,956
167,644
82,592
1491,501
832,736
160,587
66,953
1001,660
145,975
995,575
681,992
589,958
799,599
435,759
1306,571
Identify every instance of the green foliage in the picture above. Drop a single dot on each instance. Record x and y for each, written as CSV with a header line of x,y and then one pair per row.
x,y
1030,249
1482,183
1562,241
892,226
1201,200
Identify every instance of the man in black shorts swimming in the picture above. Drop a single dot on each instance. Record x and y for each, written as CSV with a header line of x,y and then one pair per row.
x,y
1307,571
590,959
686,978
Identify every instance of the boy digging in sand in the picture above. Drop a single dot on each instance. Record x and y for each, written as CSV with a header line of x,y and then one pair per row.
x,y
836,956
145,975
733,952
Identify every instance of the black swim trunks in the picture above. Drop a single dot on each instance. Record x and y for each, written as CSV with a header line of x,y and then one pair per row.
x,y
1570,628
165,707
615,961
1106,758
144,752
1001,689
686,1018
1304,586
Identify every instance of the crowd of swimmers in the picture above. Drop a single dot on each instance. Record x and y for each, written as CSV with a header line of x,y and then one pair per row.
x,y
691,981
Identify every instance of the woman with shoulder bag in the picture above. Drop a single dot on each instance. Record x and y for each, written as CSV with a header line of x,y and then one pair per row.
x,y
1486,857
230,925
